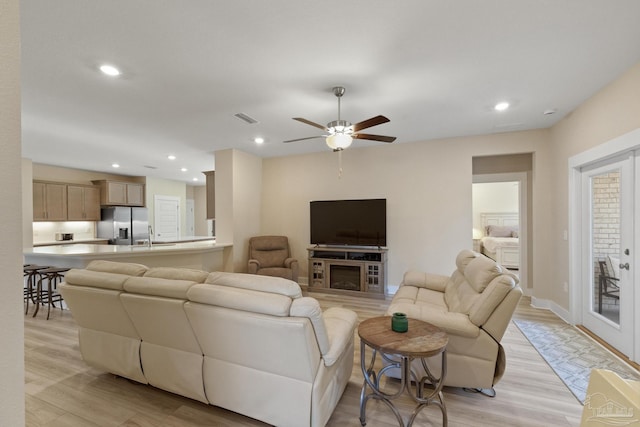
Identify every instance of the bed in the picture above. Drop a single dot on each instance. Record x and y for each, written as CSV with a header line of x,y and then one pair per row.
x,y
500,241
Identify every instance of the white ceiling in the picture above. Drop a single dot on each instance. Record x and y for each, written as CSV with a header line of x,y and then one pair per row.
x,y
434,67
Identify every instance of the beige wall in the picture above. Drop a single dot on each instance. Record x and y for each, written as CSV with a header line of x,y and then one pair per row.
x,y
428,187
238,204
612,112
11,226
200,211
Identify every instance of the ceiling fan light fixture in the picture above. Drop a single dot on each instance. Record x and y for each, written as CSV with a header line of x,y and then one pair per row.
x,y
339,141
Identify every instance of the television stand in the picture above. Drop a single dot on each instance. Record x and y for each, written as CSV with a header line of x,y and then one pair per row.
x,y
353,270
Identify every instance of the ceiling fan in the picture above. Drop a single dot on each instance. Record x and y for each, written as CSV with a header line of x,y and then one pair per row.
x,y
341,133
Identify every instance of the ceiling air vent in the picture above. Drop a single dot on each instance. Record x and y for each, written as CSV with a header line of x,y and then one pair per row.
x,y
246,118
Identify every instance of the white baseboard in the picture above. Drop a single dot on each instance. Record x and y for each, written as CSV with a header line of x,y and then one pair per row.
x,y
550,305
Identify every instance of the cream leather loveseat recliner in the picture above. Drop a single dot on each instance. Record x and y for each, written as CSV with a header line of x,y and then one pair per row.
x,y
474,306
250,344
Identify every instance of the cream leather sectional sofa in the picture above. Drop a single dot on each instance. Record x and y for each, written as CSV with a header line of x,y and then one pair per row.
x,y
250,344
474,306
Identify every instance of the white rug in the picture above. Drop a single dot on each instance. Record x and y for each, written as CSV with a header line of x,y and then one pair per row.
x,y
572,354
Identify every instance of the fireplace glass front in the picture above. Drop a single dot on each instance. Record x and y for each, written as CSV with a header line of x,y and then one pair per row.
x,y
345,277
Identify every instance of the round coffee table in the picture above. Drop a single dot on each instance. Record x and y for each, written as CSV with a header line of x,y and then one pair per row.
x,y
398,350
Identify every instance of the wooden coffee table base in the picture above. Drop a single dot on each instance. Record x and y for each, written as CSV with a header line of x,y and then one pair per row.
x,y
398,351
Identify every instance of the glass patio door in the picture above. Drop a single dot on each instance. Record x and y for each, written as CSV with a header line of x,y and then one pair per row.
x,y
608,253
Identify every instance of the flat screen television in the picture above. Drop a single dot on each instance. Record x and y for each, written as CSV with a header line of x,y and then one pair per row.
x,y
349,222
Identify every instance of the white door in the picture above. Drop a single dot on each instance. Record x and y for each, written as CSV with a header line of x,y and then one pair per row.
x,y
166,218
607,253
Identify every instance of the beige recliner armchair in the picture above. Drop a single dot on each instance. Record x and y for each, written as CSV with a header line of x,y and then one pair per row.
x,y
474,306
270,256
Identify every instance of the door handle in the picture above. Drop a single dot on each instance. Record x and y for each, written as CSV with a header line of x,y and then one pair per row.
x,y
624,266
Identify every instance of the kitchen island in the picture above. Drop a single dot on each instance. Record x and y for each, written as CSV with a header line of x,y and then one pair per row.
x,y
202,255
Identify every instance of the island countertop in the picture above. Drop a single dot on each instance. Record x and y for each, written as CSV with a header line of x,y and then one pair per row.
x,y
204,255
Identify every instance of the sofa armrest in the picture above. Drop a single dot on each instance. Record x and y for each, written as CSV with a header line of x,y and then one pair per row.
x,y
291,263
435,282
451,322
254,265
341,324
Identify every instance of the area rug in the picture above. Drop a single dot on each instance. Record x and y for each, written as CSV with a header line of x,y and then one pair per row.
x,y
572,354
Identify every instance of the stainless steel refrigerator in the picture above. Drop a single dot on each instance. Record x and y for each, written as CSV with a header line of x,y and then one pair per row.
x,y
123,225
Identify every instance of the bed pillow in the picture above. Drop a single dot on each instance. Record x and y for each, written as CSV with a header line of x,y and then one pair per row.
x,y
501,231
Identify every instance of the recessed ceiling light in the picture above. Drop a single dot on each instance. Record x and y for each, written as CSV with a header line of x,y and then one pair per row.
x,y
501,106
115,165
109,70
171,157
258,140
184,169
195,179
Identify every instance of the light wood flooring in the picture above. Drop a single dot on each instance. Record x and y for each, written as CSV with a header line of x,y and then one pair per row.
x,y
62,391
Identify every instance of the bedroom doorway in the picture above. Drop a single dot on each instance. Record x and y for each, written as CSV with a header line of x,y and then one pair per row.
x,y
500,220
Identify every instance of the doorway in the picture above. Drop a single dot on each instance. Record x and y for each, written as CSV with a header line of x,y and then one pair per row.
x,y
515,168
500,203
605,196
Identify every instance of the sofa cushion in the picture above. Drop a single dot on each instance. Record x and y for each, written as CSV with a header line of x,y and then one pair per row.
x,y
450,322
341,324
128,268
95,279
480,272
169,288
272,257
460,297
267,284
189,274
486,303
425,280
310,308
463,259
241,299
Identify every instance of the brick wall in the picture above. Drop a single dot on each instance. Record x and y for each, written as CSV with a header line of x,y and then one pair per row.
x,y
606,227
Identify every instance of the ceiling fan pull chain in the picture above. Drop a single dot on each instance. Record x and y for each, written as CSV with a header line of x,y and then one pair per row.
x,y
340,164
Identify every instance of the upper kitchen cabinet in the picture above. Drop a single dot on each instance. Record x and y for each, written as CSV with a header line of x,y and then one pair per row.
x,y
83,203
116,193
211,194
49,201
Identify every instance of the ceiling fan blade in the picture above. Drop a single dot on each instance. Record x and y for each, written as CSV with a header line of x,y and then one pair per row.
x,y
374,121
380,138
309,122
303,139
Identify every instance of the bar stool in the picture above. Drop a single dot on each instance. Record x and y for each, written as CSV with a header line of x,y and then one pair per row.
x,y
33,275
52,276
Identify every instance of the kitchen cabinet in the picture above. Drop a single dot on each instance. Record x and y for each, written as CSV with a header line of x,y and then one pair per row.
x,y
211,194
49,201
83,203
117,193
